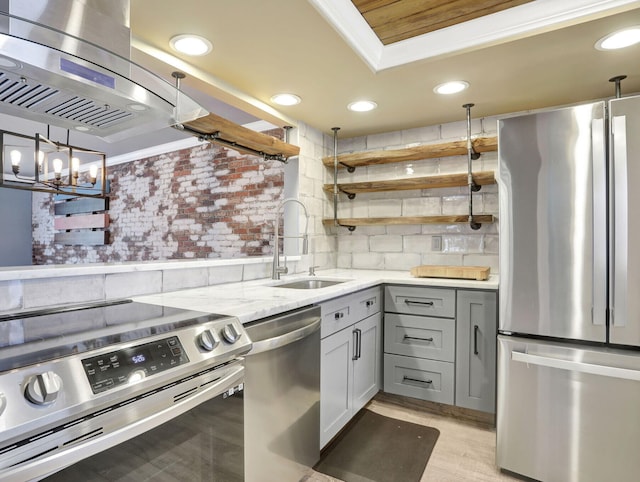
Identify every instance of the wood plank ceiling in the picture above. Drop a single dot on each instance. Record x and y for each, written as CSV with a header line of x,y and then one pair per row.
x,y
395,20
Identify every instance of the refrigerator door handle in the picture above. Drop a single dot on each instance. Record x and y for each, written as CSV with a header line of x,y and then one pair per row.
x,y
574,366
620,216
599,213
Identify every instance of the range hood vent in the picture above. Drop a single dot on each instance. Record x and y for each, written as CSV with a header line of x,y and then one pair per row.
x,y
54,70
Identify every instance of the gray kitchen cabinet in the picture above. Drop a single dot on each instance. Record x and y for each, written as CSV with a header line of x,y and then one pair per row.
x,y
439,345
476,321
351,358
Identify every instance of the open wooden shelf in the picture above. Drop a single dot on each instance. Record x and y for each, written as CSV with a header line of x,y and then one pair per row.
x,y
425,151
239,136
450,219
428,182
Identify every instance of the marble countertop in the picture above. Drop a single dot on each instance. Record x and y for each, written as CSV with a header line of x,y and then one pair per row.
x,y
253,300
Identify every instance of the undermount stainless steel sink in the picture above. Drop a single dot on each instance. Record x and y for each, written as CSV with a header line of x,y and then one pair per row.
x,y
309,284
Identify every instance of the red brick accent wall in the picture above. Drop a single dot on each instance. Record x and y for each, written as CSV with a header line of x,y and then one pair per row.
x,y
204,202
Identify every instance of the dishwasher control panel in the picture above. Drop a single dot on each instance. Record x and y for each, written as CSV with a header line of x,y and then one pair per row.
x,y
131,364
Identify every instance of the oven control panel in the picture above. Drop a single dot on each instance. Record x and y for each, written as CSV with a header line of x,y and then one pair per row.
x,y
120,367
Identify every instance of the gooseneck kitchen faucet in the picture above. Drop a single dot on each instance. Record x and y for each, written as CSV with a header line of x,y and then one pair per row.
x,y
276,268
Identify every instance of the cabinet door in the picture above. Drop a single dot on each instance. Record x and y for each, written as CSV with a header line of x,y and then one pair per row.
x,y
476,350
367,365
336,381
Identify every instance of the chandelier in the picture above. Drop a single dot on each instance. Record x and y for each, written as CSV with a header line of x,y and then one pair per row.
x,y
40,164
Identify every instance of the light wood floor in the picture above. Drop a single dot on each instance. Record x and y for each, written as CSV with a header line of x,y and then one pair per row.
x,y
465,451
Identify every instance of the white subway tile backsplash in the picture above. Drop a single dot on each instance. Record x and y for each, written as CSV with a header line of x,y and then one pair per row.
x,y
457,164
409,245
459,129
387,140
460,204
125,285
56,291
367,261
404,229
344,260
424,206
421,135
385,208
258,270
353,243
352,144
179,279
401,261
417,244
10,295
491,244
225,274
385,244
462,244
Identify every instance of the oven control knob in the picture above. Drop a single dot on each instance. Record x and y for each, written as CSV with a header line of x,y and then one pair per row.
x,y
43,389
230,333
208,340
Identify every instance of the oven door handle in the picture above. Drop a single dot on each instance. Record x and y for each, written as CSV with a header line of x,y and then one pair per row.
x,y
42,467
286,339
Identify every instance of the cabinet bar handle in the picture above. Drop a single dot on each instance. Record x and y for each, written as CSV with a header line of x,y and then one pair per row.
x,y
359,332
407,337
339,315
475,339
405,378
355,345
423,303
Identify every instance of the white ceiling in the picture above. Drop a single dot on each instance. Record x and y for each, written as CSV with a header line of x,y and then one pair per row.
x,y
265,47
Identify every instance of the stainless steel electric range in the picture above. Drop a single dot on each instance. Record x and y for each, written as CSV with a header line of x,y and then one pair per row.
x,y
121,390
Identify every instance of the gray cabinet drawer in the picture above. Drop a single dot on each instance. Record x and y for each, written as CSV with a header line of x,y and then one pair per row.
x,y
418,300
342,312
419,378
420,336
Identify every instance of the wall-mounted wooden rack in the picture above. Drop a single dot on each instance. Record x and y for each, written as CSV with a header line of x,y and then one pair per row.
x,y
452,219
217,129
415,153
428,182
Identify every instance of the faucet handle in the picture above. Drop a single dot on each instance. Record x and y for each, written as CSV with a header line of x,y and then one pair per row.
x,y
312,270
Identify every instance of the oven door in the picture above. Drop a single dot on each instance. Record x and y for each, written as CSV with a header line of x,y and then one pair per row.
x,y
198,437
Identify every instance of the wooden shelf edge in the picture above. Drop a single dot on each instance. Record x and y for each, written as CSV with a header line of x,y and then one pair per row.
x,y
428,182
234,133
450,219
415,153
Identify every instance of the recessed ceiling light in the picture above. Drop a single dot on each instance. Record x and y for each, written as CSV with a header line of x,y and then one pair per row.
x,y
286,99
620,39
452,87
362,106
191,44
82,128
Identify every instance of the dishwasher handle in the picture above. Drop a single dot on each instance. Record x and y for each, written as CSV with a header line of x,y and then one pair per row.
x,y
285,339
575,366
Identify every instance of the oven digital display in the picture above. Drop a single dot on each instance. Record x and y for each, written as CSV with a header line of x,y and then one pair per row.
x,y
125,366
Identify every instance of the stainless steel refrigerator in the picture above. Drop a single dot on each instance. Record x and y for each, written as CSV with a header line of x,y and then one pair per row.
x,y
568,397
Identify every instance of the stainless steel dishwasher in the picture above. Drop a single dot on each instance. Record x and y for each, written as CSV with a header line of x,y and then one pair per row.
x,y
282,396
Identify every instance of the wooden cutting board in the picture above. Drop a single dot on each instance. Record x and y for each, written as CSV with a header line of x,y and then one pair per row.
x,y
480,273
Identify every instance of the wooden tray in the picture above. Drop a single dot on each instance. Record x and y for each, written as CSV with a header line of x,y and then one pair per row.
x,y
480,273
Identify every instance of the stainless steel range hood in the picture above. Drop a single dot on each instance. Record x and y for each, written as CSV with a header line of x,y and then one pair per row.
x,y
66,63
